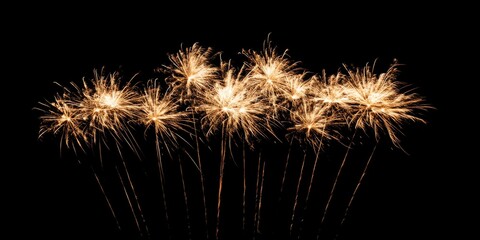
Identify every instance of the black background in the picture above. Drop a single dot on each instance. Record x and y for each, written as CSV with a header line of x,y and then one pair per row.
x,y
426,194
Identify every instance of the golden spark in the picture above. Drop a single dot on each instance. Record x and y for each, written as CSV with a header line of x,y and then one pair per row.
x,y
191,71
379,103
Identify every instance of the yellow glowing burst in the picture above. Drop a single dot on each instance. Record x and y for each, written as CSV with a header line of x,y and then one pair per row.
x,y
311,123
230,105
61,117
377,102
160,111
191,71
270,73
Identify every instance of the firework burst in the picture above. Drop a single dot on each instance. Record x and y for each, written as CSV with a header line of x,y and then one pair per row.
x,y
233,107
377,102
332,92
310,121
61,117
191,72
107,107
270,74
159,110
230,107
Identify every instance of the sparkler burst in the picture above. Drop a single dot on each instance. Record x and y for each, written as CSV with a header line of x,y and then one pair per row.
x,y
310,121
232,106
245,103
191,71
270,73
61,116
298,87
107,106
159,110
332,92
378,102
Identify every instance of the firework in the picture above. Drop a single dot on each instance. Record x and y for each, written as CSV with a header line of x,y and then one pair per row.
x,y
159,110
382,105
332,91
61,116
377,102
191,72
247,103
231,106
269,74
310,121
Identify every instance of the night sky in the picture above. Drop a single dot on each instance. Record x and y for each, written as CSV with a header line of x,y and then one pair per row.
x,y
425,192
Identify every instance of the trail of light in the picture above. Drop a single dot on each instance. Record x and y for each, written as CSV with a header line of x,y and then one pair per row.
x,y
292,220
356,188
137,223
259,209
185,197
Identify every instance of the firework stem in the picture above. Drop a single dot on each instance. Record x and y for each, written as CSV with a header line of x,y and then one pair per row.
x,y
202,178
220,181
257,193
129,201
357,187
185,197
106,198
336,180
244,184
285,170
297,191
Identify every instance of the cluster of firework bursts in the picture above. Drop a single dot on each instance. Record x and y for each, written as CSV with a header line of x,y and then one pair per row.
x,y
205,101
